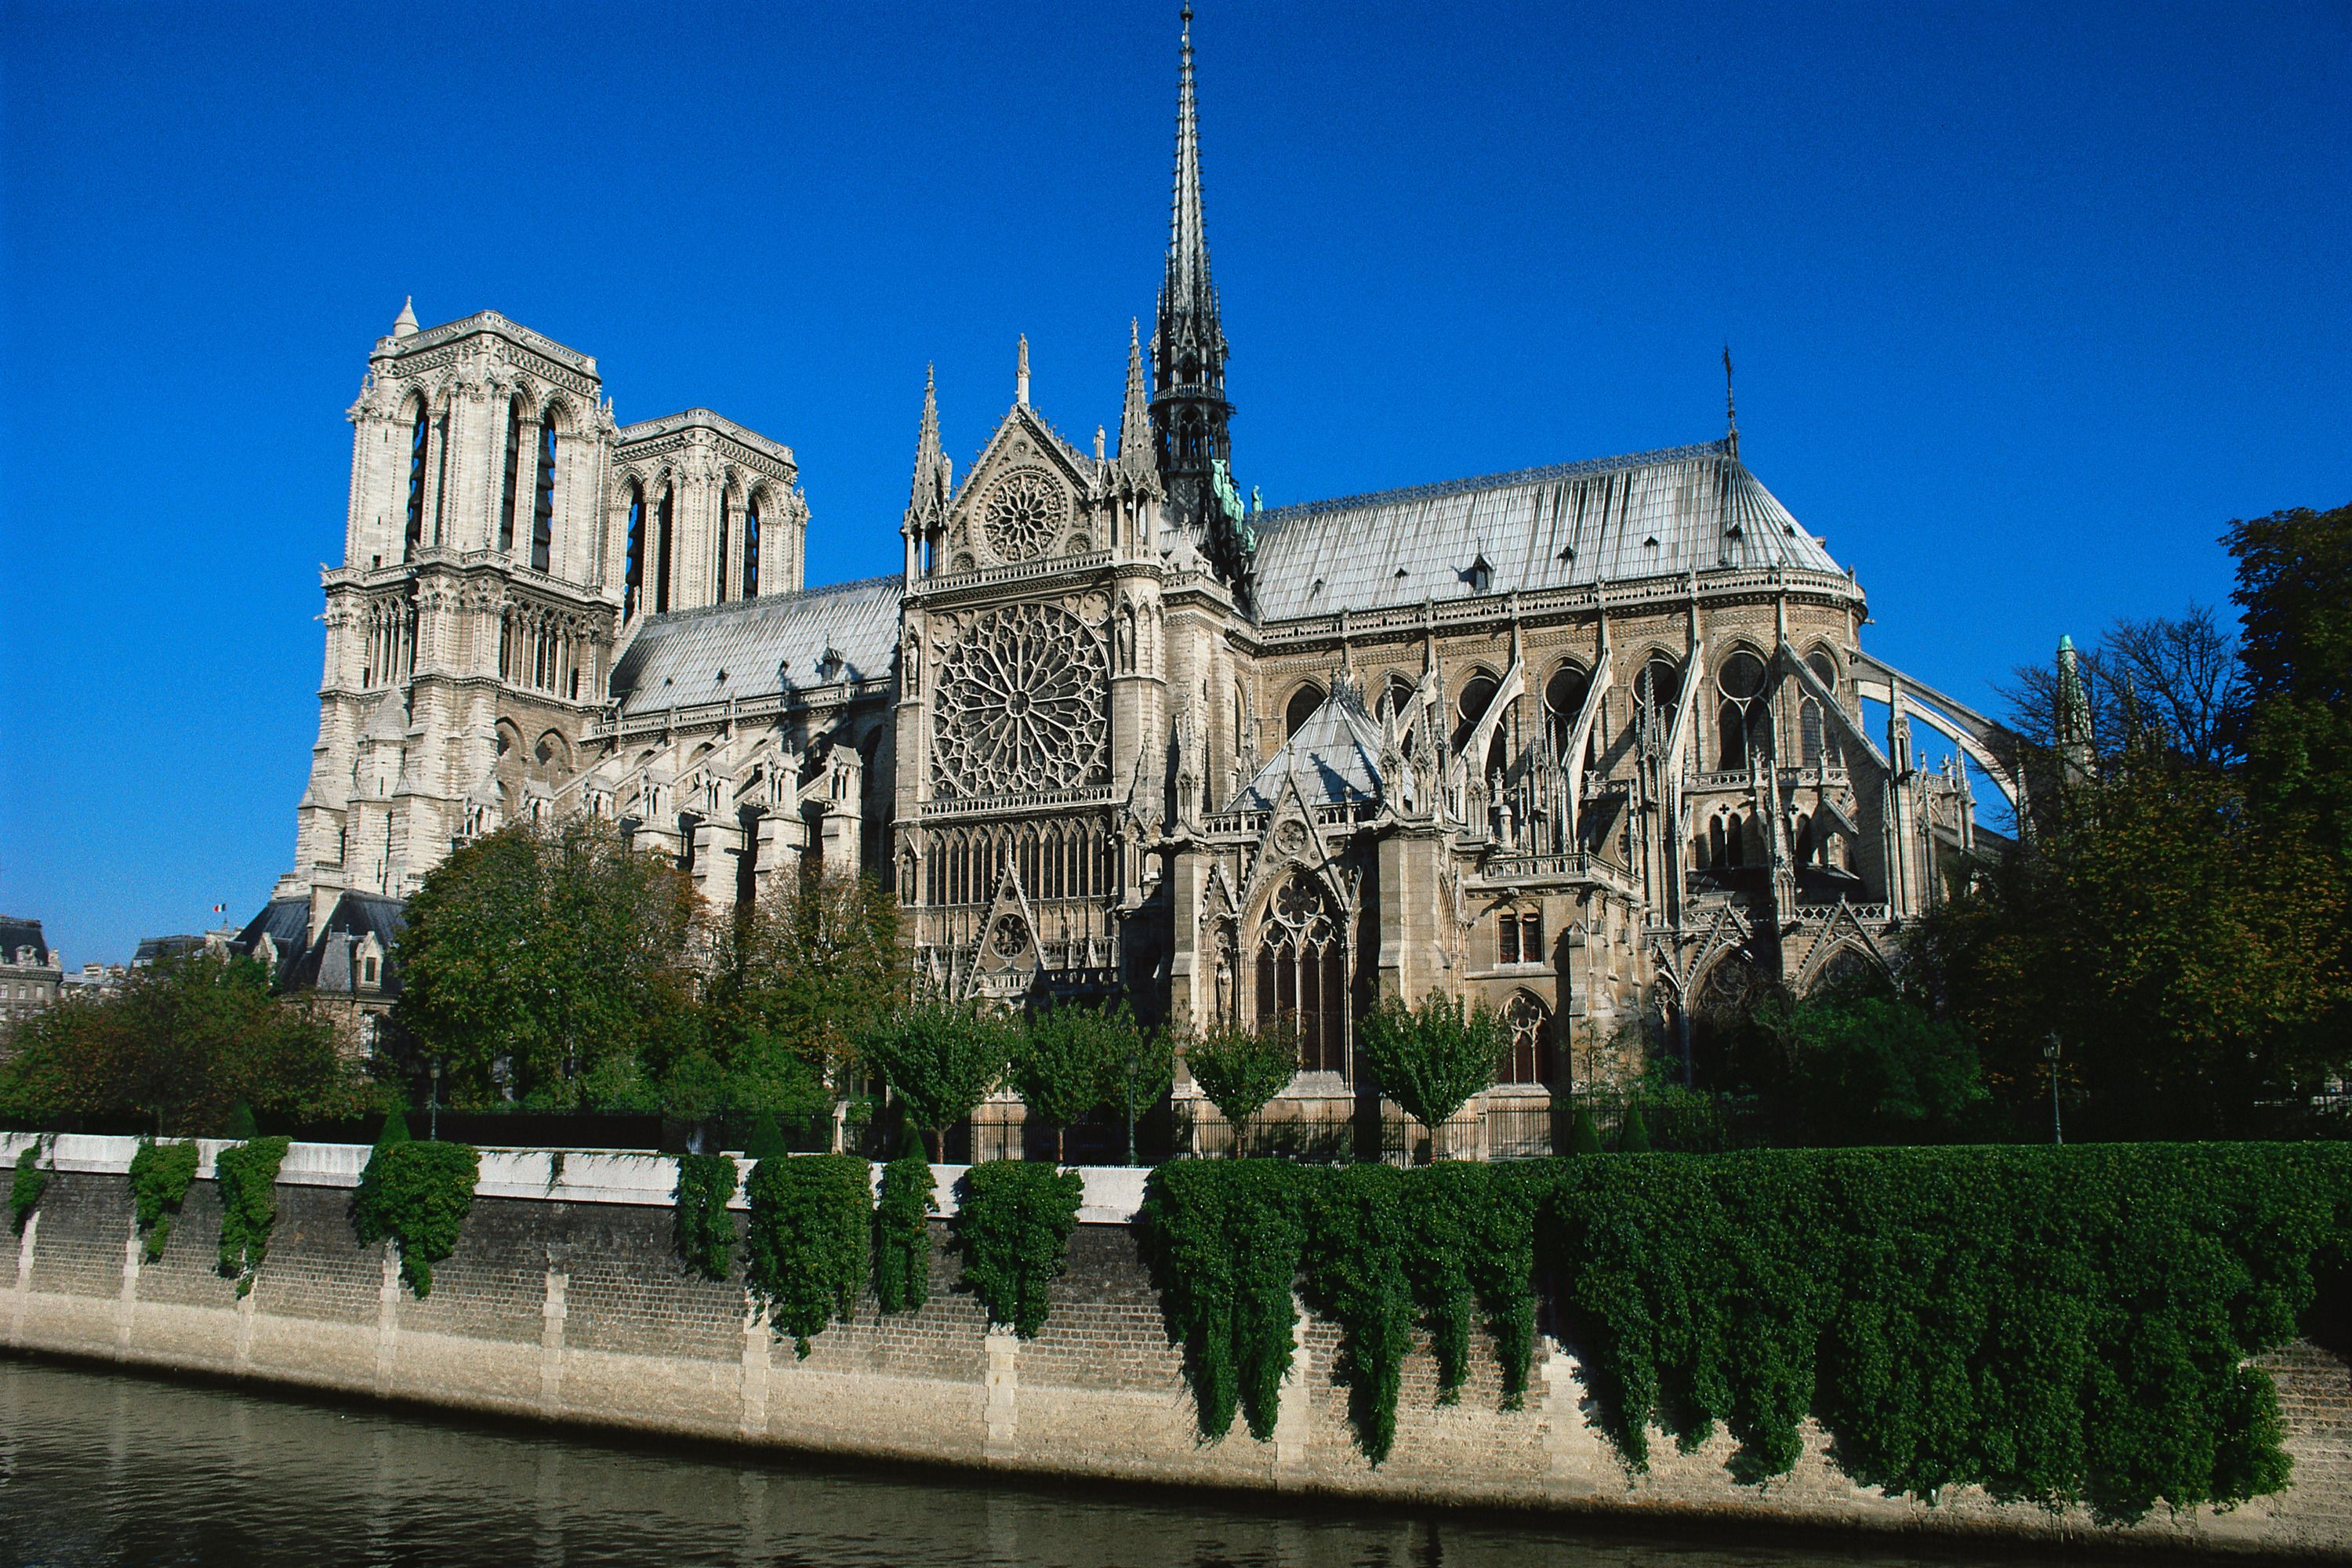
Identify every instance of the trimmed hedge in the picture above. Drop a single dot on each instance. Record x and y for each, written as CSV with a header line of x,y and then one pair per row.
x,y
2056,1326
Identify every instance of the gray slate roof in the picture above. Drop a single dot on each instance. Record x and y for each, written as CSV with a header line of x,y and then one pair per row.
x,y
760,643
1650,514
1336,755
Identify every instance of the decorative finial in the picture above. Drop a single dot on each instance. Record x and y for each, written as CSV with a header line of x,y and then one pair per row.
x,y
1021,374
404,325
1730,409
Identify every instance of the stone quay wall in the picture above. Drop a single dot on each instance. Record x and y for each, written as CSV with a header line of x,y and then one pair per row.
x,y
566,1301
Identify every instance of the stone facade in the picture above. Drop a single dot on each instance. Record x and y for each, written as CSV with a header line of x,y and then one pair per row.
x,y
32,975
1584,744
565,1302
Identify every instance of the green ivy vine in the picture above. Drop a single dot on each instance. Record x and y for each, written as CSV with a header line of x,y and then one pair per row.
x,y
1013,1224
30,1182
811,1233
160,1174
248,1176
1224,1240
705,1230
902,1233
417,1195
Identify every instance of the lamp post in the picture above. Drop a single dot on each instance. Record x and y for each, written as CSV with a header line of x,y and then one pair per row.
x,y
433,1112
2050,1055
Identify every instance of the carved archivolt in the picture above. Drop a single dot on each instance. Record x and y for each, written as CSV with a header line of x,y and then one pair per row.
x,y
1019,705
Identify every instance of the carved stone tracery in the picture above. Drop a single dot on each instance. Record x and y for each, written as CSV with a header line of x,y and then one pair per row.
x,y
1020,705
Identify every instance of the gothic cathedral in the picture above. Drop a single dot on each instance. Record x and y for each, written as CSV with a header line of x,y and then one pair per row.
x,y
1584,743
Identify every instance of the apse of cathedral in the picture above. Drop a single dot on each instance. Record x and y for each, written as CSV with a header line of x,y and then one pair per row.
x,y
1584,743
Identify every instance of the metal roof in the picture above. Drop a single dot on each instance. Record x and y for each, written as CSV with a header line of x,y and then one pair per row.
x,y
756,648
1334,756
1650,514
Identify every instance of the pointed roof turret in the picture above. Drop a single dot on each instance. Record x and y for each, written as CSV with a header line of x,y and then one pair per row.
x,y
1135,444
404,325
929,493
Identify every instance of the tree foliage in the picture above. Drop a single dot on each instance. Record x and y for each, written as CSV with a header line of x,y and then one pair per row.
x,y
184,1041
1069,1062
550,963
1241,1069
941,1058
1431,1058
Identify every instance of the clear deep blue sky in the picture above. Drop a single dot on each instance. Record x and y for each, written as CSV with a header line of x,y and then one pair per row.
x,y
2025,305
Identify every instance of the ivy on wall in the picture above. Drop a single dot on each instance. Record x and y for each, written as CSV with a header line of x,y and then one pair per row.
x,y
1355,1264
417,1195
29,1183
1013,1224
248,1174
902,1233
1224,1238
160,1174
705,1230
811,1232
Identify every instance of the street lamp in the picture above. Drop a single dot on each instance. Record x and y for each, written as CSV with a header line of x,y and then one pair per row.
x,y
2050,1055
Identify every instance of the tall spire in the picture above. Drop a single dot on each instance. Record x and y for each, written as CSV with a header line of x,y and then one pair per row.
x,y
1190,415
1730,409
929,492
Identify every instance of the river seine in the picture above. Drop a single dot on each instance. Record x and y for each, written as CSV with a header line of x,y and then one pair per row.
x,y
98,1467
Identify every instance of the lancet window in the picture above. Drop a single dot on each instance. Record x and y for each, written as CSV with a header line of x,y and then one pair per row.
x,y
1302,974
1564,696
662,550
416,442
633,578
508,486
719,551
1303,704
1529,1058
542,511
752,548
1740,721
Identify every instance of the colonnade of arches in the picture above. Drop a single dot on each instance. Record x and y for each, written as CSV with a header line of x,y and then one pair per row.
x,y
390,647
542,649
1053,860
523,521
654,575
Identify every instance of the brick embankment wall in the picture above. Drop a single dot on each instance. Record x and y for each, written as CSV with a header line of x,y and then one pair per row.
x,y
564,1300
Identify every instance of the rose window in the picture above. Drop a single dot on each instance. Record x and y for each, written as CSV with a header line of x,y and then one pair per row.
x,y
1012,937
1025,515
1020,705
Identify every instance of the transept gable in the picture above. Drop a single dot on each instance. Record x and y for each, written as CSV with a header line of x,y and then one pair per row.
x,y
1029,495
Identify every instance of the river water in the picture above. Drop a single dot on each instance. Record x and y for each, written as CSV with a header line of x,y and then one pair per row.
x,y
99,1467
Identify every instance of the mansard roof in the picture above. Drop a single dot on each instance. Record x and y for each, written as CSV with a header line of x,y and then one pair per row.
x,y
16,932
1334,756
763,646
1651,514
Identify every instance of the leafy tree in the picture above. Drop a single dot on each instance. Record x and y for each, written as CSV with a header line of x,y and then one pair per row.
x,y
1431,1058
549,963
180,1046
1240,1070
797,980
1066,1062
1142,1072
942,1059
1879,1069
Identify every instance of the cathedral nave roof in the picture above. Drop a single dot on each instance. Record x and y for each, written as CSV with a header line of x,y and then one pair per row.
x,y
1650,514
762,644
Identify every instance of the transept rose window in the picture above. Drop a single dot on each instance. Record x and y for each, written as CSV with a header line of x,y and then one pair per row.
x,y
1020,705
1025,515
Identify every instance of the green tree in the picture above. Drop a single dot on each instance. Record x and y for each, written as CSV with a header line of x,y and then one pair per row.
x,y
1240,1070
1879,1069
551,963
941,1060
1070,1060
1145,1067
1431,1058
798,979
180,1046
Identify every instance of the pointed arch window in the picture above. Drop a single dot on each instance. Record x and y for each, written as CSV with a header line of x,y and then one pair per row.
x,y
662,550
1739,723
633,578
416,445
718,551
1529,1058
1564,696
513,479
1303,704
1478,696
542,511
752,548
1302,974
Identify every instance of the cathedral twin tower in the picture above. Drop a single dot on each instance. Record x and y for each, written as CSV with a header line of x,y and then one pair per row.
x,y
1582,741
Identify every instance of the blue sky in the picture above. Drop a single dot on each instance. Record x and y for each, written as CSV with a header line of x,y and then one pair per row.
x,y
2026,302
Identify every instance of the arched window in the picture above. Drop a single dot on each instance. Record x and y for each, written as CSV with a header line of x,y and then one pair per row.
x,y
1530,1058
1824,668
1735,841
1808,731
1564,696
1303,704
1657,690
719,553
1478,696
542,511
634,575
513,474
1716,849
1302,974
416,445
1740,721
752,548
662,550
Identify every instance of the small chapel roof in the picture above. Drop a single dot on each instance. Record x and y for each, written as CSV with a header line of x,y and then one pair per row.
x,y
1650,514
1334,756
760,646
